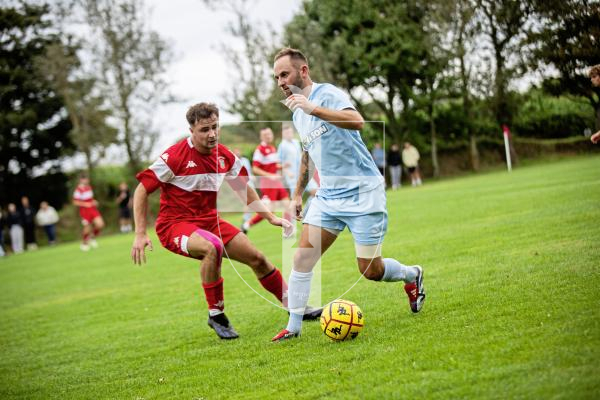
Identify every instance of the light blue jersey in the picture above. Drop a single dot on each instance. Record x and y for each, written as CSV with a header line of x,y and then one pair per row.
x,y
345,166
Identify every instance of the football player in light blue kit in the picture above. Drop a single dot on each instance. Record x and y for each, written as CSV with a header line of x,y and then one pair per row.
x,y
351,193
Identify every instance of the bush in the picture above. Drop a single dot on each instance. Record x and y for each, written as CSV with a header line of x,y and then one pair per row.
x,y
543,116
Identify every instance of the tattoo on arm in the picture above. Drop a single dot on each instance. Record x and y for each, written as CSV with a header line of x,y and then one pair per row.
x,y
305,163
304,174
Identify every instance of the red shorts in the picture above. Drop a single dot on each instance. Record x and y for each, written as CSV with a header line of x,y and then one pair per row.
x,y
174,235
88,214
273,190
275,193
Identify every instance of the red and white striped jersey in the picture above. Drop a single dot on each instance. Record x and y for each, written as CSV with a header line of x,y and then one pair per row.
x,y
190,181
265,157
83,193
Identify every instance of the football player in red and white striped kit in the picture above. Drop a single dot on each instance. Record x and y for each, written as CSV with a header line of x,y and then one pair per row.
x,y
189,175
91,219
266,166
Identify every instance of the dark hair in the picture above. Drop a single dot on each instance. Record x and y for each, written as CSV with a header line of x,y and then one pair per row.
x,y
201,111
295,55
595,70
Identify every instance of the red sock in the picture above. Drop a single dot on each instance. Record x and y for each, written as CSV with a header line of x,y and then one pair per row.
x,y
86,237
255,220
214,295
96,232
275,284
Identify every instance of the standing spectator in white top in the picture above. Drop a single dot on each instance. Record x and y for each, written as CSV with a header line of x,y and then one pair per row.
x,y
15,226
410,157
289,152
47,217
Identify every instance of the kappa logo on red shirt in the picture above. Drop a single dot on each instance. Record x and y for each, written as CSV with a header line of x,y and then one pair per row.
x,y
191,164
176,240
165,156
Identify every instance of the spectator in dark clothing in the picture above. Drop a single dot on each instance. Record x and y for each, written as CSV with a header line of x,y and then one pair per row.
x,y
124,201
2,223
28,214
394,161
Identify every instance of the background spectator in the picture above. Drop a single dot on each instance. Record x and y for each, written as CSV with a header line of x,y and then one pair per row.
x,y
379,157
28,214
394,162
248,165
124,201
47,217
290,152
2,223
15,226
410,157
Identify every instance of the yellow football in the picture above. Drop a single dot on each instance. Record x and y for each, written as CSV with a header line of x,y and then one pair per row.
x,y
342,320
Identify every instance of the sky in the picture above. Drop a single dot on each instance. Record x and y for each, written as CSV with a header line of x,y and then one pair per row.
x,y
199,71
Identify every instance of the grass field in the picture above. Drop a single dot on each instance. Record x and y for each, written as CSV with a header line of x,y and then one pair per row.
x,y
512,272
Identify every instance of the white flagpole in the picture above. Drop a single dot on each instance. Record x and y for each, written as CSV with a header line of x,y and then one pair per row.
x,y
507,150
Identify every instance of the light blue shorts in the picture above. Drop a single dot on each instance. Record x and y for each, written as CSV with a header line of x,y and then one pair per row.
x,y
364,214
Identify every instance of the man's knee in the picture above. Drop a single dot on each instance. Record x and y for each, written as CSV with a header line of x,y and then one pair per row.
x,y
200,247
370,269
305,259
98,223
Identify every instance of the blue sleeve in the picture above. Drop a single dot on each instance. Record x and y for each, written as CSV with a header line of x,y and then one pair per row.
x,y
336,99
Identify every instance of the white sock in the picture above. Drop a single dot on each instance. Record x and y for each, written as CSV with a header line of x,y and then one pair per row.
x,y
298,292
395,271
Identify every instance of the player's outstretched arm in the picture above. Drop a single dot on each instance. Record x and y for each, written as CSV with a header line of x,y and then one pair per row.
x,y
81,203
261,172
346,119
253,201
140,215
595,137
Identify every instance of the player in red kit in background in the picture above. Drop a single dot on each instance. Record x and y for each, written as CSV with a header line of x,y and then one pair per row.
x,y
266,166
92,221
189,175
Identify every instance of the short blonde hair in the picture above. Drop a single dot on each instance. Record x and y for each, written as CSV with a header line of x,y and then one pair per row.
x,y
295,55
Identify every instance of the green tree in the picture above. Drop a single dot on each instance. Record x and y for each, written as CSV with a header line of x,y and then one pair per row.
x,y
85,106
463,30
133,60
568,38
504,22
254,96
374,49
34,129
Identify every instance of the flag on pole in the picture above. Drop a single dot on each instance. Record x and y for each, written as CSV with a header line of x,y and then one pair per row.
x,y
506,133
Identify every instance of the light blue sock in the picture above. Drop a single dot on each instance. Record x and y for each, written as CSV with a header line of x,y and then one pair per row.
x,y
298,292
395,271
